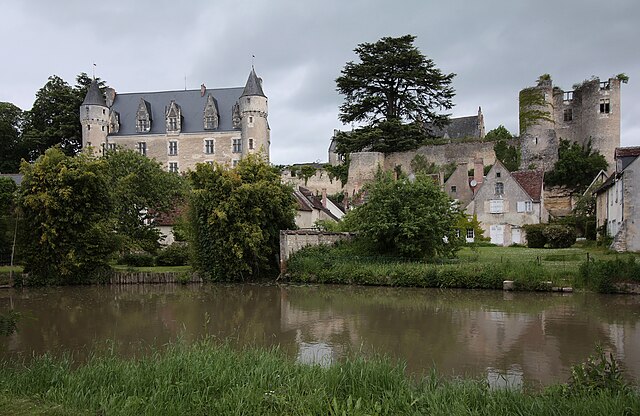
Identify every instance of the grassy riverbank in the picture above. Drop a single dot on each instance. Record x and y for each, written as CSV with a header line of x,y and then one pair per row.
x,y
475,268
209,378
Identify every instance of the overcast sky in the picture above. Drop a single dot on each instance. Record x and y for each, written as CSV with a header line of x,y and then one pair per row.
x,y
495,47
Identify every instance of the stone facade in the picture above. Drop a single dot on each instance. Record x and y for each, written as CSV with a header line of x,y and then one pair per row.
x,y
548,114
180,128
294,240
618,202
505,202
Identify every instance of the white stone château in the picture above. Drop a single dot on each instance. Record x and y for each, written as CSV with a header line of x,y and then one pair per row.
x,y
179,128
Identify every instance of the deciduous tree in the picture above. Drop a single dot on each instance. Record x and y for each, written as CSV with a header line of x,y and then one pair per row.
x,y
577,166
236,216
408,218
11,120
67,206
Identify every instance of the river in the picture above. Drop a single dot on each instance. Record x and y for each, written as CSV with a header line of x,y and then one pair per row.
x,y
508,338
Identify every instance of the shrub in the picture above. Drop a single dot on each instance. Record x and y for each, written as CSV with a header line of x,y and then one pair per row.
x,y
173,255
137,260
535,235
599,373
559,236
600,276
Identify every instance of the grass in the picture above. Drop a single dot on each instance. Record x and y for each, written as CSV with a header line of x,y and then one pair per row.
x,y
474,268
213,378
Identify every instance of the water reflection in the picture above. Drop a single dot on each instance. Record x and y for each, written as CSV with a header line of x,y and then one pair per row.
x,y
509,339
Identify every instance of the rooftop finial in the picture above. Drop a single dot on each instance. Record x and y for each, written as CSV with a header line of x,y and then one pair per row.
x,y
94,71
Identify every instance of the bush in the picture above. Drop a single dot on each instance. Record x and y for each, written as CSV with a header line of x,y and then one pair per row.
x,y
599,373
559,236
535,235
137,260
600,276
173,255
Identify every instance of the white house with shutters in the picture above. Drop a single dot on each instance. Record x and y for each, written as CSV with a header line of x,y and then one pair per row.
x,y
505,201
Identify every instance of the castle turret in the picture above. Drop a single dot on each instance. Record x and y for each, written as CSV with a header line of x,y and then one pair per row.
x,y
539,141
94,118
253,113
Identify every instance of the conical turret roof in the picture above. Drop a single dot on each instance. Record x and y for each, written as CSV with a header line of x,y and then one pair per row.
x,y
254,86
94,95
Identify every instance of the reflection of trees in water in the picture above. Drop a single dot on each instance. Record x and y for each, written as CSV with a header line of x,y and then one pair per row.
x,y
468,330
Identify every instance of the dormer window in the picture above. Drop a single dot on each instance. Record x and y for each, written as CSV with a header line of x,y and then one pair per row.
x,y
114,122
210,114
173,116
143,117
235,116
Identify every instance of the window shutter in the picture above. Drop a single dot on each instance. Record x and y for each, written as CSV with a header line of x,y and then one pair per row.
x,y
521,206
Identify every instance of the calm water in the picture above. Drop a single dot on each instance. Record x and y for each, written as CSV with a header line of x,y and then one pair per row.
x,y
505,337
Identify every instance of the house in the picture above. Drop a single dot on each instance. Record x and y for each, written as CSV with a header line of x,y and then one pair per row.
x,y
460,187
179,128
618,201
312,208
505,201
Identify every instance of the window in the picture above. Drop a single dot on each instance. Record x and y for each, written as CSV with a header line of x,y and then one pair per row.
x,y
605,108
88,127
250,144
111,146
568,114
142,148
235,162
208,146
173,148
250,121
173,167
102,128
524,206
103,112
470,233
454,189
142,125
237,146
498,174
499,188
210,123
173,124
496,206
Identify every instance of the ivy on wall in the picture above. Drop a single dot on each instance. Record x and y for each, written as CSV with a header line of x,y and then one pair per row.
x,y
529,115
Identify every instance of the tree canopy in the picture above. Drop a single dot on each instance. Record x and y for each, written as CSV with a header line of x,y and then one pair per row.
x,y
11,121
577,166
508,154
140,189
395,90
236,216
411,218
65,202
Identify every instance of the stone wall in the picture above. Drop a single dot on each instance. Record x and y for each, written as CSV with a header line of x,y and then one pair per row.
x,y
362,169
559,201
441,154
294,240
319,181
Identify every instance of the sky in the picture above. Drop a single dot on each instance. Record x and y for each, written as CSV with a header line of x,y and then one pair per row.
x,y
496,48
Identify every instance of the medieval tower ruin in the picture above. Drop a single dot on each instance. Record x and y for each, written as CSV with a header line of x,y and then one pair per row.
x,y
591,112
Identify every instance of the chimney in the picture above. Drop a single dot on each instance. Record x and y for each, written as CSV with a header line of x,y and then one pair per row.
x,y
478,170
110,95
203,89
324,197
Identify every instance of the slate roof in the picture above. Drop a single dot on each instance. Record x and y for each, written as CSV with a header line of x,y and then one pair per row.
x,y
459,128
307,201
192,103
253,86
16,177
530,181
94,95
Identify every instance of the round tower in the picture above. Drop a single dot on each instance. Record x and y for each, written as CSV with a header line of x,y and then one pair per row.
x,y
539,143
253,118
94,118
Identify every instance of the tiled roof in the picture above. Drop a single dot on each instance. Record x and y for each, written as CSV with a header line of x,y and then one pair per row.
x,y
253,86
627,151
530,181
94,95
459,128
192,103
